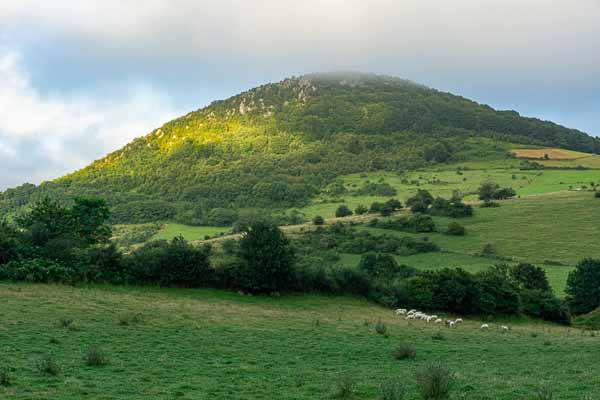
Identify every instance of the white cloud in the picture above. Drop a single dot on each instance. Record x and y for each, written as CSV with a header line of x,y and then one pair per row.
x,y
42,137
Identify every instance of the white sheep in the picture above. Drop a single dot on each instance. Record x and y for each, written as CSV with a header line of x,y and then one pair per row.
x,y
437,321
504,328
400,311
458,320
451,324
484,327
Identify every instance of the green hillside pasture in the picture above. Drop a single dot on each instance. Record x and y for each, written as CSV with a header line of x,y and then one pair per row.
x,y
171,230
545,230
205,344
444,182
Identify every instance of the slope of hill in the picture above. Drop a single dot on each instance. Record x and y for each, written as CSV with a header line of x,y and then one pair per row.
x,y
279,144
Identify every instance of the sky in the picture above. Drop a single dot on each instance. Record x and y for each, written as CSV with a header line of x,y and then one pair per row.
x,y
81,78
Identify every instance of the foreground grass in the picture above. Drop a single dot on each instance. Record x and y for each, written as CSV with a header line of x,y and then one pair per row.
x,y
206,344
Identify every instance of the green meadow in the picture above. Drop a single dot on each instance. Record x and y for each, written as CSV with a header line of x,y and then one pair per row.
x,y
208,344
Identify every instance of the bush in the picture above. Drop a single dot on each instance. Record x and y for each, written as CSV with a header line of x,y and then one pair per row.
x,y
375,207
423,198
267,260
583,287
498,294
47,365
221,217
377,189
4,377
378,265
405,351
597,195
528,276
543,304
37,270
544,392
343,211
361,209
95,357
318,220
174,263
380,328
392,390
434,381
456,229
344,388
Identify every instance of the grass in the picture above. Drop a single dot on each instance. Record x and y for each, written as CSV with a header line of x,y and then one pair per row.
x,y
208,344
444,181
552,231
170,230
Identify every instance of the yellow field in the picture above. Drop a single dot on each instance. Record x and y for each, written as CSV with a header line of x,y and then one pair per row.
x,y
553,154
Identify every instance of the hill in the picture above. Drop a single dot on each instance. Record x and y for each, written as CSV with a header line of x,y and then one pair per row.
x,y
280,144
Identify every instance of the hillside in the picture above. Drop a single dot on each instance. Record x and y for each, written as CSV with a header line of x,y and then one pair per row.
x,y
280,144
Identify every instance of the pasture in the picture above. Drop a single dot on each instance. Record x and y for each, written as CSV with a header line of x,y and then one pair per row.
x,y
208,344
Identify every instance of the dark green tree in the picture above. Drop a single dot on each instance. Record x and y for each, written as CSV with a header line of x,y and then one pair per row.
x,y
528,276
267,259
583,287
343,211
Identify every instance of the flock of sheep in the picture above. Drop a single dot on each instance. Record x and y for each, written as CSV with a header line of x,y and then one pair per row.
x,y
418,315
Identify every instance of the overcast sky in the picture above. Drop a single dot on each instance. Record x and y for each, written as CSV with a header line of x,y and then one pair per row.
x,y
80,78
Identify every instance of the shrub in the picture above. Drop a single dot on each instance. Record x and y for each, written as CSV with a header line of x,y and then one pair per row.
x,y
375,207
528,276
544,392
38,270
434,381
583,287
380,328
344,388
267,260
361,209
95,357
66,322
405,351
392,390
318,220
4,377
343,211
378,265
498,294
597,195
174,263
456,229
47,365
377,189
422,197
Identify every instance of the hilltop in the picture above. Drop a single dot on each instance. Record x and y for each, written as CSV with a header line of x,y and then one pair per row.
x,y
280,144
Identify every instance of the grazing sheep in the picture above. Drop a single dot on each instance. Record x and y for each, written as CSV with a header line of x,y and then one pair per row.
x,y
437,321
458,320
400,311
504,328
484,327
451,324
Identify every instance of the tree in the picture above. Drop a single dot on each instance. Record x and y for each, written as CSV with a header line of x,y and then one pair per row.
x,y
89,218
486,191
437,153
378,265
394,204
361,209
267,259
528,276
456,229
318,220
422,196
375,207
583,287
343,211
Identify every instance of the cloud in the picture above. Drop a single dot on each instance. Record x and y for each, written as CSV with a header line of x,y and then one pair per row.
x,y
42,137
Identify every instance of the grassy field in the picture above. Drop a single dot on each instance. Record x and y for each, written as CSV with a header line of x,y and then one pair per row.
x,y
206,344
545,230
171,230
444,182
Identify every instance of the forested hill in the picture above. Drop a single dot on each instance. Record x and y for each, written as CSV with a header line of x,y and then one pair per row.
x,y
279,144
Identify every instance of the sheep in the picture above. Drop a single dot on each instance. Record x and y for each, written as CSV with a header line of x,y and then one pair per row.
x,y
451,324
437,321
484,327
429,319
400,311
504,328
458,320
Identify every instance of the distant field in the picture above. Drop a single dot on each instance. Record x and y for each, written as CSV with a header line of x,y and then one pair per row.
x,y
550,153
545,230
170,230
208,344
559,158
444,182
